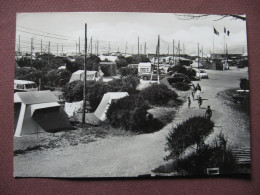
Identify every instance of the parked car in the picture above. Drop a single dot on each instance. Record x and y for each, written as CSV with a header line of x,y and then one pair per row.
x,y
177,78
22,86
201,74
241,96
147,76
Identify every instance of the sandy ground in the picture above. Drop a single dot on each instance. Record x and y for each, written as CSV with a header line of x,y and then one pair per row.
x,y
137,154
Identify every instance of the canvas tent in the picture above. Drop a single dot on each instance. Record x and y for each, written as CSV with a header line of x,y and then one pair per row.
x,y
38,111
91,75
107,99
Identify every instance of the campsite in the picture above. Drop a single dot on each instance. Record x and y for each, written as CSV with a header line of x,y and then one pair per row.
x,y
155,107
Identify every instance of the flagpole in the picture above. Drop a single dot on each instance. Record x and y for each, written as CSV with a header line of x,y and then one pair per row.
x,y
224,40
158,71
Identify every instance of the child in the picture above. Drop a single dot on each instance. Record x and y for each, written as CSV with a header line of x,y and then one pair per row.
x,y
189,102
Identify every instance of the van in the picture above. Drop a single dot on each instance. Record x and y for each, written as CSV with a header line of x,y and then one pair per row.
x,y
22,86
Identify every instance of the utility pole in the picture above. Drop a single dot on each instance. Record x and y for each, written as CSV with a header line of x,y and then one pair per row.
x,y
158,56
138,48
141,49
144,48
57,49
41,46
19,49
168,50
198,55
49,48
31,49
79,45
62,49
183,48
173,60
85,73
97,48
108,47
202,54
91,46
76,47
179,50
125,48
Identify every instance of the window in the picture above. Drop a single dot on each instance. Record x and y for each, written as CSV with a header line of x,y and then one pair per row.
x,y
20,86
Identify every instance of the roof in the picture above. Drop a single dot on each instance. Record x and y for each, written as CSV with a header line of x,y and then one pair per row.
x,y
23,82
109,63
89,72
35,97
116,95
147,64
43,105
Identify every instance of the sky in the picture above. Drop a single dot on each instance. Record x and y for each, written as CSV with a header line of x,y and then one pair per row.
x,y
120,31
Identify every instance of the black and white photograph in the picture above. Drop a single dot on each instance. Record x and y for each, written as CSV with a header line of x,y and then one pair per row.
x,y
128,94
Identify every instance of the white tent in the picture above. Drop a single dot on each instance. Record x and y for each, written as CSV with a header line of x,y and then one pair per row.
x,y
107,99
91,75
38,111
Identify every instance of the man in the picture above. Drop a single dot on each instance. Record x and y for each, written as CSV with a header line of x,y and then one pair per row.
x,y
208,113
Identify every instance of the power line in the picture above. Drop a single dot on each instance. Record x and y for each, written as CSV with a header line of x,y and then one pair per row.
x,y
41,35
42,31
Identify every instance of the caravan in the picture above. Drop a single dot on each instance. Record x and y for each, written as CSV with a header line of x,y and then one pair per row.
x,y
23,86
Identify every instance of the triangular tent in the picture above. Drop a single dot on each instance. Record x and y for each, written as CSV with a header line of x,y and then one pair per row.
x,y
107,99
38,111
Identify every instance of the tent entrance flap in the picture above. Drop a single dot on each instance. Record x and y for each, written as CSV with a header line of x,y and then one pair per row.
x,y
52,119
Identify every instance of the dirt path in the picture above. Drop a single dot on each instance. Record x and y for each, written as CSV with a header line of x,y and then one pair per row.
x,y
126,156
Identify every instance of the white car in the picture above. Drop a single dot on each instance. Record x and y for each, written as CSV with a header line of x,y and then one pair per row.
x,y
201,74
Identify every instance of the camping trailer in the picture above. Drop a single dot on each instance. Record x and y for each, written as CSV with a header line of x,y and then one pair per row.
x,y
144,67
38,111
22,86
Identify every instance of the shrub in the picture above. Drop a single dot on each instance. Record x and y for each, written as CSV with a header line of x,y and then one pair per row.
x,y
126,71
73,91
190,132
208,156
121,62
124,84
130,113
29,74
182,86
158,94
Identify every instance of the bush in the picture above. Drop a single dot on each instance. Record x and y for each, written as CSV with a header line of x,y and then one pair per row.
x,y
95,89
126,71
182,86
124,84
208,156
130,113
29,74
158,94
190,132
121,62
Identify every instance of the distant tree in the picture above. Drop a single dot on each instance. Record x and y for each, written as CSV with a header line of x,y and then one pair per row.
x,y
29,74
244,84
218,17
121,62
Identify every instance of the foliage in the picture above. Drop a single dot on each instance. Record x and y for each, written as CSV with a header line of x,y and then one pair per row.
x,y
216,155
125,71
131,114
191,131
181,69
57,78
158,94
29,74
73,91
95,90
92,62
183,86
244,84
121,62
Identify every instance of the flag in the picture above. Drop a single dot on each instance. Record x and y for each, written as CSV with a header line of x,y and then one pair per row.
x,y
228,32
215,31
225,30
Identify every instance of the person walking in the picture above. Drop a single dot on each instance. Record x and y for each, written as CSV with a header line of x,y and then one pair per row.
x,y
197,94
198,87
189,102
200,102
208,113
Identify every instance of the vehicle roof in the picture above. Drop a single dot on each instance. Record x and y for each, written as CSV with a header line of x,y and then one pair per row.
x,y
23,82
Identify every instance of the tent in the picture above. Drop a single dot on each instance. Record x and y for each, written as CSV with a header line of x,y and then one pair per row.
x,y
107,99
91,75
38,111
